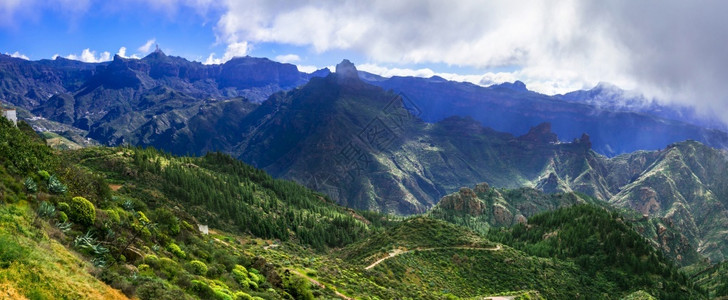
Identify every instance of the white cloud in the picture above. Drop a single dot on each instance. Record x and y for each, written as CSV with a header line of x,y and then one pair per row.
x,y
288,58
232,50
147,46
17,54
674,50
307,69
122,53
543,81
90,56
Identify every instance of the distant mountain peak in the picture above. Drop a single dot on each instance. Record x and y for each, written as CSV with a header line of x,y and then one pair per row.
x,y
603,85
346,71
157,54
516,86
540,133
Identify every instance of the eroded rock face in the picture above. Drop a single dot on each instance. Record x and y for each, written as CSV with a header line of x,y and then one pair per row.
x,y
481,188
521,219
549,184
648,203
465,201
501,215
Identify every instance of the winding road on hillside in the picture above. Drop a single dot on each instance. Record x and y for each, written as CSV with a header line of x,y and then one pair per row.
x,y
398,251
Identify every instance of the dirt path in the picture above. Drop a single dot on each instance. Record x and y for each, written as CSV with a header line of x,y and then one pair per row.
x,y
396,252
319,284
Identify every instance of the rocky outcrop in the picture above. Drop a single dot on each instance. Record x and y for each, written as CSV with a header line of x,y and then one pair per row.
x,y
540,134
464,201
346,72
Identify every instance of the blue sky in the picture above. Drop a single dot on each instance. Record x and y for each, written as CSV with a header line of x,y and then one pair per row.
x,y
672,51
42,32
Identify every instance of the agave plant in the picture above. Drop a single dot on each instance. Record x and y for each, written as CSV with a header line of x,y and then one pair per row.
x,y
128,205
56,186
30,185
99,261
85,241
64,226
46,210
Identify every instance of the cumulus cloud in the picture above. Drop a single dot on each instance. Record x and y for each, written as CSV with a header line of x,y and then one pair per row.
x,y
89,56
147,46
288,58
17,54
670,49
233,50
307,68
122,53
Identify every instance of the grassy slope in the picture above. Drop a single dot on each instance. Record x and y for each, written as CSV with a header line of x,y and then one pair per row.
x,y
32,264
38,267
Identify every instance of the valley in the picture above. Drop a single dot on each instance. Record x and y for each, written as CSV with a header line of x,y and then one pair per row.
x,y
367,192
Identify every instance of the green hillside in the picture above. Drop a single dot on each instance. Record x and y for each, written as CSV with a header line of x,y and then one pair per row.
x,y
131,216
604,246
125,222
712,278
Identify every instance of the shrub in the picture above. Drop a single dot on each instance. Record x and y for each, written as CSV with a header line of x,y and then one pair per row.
x,y
61,216
64,207
172,247
297,287
113,216
55,186
151,260
154,288
44,174
197,267
167,221
144,269
202,289
82,211
242,296
240,274
169,268
30,185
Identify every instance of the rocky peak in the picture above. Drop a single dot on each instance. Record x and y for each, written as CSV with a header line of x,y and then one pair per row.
x,y
541,134
516,86
585,140
346,71
156,55
465,201
549,184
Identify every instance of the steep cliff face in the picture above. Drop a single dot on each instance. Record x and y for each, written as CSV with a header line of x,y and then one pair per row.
x,y
685,187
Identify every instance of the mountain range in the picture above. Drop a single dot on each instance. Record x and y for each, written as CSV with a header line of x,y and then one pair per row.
x,y
511,107
395,145
114,102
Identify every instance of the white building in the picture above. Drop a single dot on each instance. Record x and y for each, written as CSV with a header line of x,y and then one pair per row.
x,y
11,115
